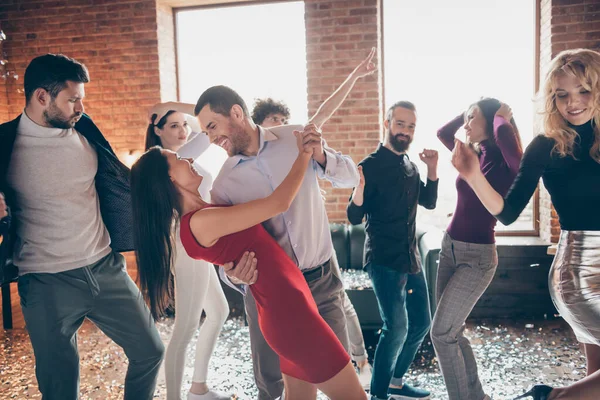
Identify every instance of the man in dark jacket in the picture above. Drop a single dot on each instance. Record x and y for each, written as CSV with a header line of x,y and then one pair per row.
x,y
71,215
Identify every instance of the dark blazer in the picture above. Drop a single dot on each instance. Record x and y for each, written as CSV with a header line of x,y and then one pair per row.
x,y
112,185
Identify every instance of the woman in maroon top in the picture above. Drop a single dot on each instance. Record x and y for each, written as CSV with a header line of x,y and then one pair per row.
x,y
468,258
567,158
164,187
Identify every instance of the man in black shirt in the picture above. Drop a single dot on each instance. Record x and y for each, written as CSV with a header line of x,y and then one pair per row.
x,y
388,194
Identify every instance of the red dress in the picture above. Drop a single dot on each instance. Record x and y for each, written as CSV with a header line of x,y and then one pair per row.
x,y
287,313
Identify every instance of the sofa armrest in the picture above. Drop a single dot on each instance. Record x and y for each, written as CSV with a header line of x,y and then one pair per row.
x,y
356,239
339,237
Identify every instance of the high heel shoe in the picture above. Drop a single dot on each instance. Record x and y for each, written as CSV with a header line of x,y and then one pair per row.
x,y
538,392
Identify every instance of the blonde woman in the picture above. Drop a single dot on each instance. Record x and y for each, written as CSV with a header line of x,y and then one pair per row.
x,y
567,158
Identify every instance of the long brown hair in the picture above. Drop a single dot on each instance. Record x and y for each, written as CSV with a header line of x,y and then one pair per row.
x,y
156,205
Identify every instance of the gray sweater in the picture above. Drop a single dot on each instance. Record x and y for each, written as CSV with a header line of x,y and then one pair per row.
x,y
60,227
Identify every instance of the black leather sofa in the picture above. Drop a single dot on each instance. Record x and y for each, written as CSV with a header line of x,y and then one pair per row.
x,y
519,288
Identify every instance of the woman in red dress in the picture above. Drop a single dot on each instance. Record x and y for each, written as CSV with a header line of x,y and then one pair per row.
x,y
165,187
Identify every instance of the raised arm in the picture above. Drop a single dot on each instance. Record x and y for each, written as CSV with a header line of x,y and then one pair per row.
x,y
428,193
331,165
193,123
160,109
447,133
195,146
356,207
507,138
506,210
333,102
227,220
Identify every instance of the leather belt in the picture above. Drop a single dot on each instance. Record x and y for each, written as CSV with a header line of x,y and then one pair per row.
x,y
317,272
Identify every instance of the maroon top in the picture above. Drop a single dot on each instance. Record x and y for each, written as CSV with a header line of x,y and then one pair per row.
x,y
499,161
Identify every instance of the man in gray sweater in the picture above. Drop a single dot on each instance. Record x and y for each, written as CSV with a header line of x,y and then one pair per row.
x,y
71,211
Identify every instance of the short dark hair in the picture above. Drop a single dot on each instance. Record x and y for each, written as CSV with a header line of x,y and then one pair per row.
x,y
265,107
51,72
402,103
220,99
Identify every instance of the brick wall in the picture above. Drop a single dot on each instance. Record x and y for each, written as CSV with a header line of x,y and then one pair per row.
x,y
117,41
128,46
4,88
338,35
564,24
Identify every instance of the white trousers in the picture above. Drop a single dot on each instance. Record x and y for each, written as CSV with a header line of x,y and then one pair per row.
x,y
197,288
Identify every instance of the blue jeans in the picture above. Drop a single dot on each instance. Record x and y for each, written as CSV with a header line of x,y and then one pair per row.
x,y
404,307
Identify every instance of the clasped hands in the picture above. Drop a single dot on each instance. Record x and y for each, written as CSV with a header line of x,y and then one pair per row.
x,y
311,140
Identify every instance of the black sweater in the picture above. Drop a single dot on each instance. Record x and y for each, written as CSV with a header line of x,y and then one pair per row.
x,y
572,181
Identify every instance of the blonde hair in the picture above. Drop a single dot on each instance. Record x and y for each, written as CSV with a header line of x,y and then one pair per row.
x,y
584,65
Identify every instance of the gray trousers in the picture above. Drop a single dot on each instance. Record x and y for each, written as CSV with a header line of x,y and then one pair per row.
x,y
355,336
54,307
328,292
464,273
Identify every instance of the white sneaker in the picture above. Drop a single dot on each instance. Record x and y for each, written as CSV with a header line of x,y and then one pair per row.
x,y
364,376
210,395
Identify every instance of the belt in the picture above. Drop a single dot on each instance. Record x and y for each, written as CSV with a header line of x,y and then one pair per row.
x,y
317,272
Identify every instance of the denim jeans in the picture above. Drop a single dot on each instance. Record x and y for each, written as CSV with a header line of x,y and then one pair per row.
x,y
404,307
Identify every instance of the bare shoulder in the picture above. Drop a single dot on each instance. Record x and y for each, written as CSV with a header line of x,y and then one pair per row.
x,y
197,217
199,220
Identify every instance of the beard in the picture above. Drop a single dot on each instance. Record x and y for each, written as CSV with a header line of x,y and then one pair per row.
x,y
56,119
400,145
238,139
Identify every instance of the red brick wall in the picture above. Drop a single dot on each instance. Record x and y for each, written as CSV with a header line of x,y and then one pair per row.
x,y
117,41
128,46
339,34
4,88
564,24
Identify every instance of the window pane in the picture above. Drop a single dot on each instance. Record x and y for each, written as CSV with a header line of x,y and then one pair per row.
x,y
258,50
445,58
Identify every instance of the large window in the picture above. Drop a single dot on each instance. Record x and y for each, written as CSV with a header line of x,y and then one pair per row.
x,y
257,50
444,56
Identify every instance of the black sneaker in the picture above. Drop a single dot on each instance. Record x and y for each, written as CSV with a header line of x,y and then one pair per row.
x,y
408,393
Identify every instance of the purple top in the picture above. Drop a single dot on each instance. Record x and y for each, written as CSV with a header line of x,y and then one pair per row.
x,y
499,161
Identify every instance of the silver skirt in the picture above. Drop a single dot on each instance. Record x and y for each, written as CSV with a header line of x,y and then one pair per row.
x,y
574,283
